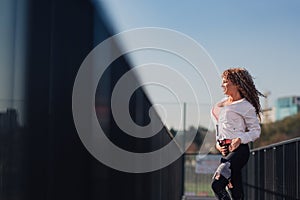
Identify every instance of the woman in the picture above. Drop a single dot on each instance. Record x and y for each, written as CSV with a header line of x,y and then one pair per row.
x,y
237,124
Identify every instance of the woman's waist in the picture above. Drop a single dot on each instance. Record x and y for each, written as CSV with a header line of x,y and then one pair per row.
x,y
230,135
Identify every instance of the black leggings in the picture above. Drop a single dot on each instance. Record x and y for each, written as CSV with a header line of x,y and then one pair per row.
x,y
230,169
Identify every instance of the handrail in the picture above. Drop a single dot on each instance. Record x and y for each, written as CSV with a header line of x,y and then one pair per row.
x,y
268,173
277,144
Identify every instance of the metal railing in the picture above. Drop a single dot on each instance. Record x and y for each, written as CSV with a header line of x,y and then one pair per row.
x,y
272,172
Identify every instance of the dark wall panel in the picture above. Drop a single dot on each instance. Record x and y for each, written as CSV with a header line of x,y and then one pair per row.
x,y
42,156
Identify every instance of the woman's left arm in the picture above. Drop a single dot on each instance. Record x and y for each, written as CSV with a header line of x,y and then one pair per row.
x,y
253,127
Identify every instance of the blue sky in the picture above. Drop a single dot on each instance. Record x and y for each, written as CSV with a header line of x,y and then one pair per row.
x,y
263,36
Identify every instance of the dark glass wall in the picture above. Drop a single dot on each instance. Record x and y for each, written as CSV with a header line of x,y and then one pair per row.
x,y
41,155
13,162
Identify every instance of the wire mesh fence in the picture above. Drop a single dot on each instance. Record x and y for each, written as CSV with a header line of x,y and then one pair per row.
x,y
198,174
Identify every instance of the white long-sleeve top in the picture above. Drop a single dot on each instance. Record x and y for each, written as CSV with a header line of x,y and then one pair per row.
x,y
237,120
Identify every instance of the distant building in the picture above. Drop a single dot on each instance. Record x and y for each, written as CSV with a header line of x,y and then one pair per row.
x,y
286,106
268,115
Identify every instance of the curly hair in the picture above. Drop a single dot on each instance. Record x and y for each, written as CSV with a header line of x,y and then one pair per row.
x,y
244,81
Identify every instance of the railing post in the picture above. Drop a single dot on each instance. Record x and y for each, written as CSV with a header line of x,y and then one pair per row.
x,y
183,155
283,169
297,170
274,173
265,174
182,174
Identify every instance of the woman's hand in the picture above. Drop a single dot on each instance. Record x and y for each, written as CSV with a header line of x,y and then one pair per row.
x,y
223,149
235,143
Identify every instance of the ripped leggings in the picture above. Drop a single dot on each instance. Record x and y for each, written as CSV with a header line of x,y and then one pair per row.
x,y
229,173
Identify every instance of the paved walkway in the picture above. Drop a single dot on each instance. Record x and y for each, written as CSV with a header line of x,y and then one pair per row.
x,y
197,198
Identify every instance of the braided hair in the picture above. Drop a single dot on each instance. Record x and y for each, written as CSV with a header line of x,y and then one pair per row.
x,y
244,81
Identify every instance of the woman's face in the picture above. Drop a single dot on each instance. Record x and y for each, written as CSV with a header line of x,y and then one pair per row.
x,y
228,87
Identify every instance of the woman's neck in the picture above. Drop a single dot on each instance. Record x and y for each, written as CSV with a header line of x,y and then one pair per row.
x,y
235,97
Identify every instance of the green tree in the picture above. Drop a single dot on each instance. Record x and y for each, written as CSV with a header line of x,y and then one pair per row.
x,y
278,131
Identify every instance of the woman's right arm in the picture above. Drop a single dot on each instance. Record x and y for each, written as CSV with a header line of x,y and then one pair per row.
x,y
224,150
